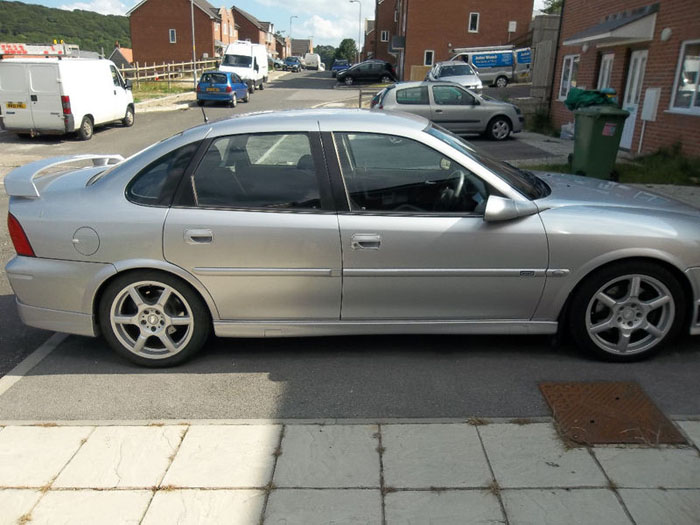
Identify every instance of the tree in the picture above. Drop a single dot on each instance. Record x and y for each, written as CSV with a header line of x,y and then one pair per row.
x,y
552,7
327,54
347,50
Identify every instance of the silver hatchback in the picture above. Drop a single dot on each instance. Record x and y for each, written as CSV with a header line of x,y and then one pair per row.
x,y
453,107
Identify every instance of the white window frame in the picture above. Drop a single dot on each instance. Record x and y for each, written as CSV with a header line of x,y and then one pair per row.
x,y
572,60
605,71
692,110
469,22
396,15
172,36
384,36
432,57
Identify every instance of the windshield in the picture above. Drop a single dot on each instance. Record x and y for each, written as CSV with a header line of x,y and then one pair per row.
x,y
214,78
340,63
237,61
457,70
523,181
292,59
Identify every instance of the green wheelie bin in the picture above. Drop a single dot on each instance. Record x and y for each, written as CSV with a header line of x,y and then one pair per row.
x,y
596,140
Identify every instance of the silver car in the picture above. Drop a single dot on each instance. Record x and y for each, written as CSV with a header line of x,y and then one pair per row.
x,y
452,107
330,222
459,73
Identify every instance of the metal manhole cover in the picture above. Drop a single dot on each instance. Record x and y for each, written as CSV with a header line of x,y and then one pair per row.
x,y
608,413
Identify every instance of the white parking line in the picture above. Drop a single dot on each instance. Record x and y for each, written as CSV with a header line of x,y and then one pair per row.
x,y
30,362
272,149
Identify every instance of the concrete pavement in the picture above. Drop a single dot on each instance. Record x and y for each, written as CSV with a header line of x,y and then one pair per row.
x,y
313,472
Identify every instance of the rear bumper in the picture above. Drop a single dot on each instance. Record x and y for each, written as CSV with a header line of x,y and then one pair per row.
x,y
217,97
57,320
694,277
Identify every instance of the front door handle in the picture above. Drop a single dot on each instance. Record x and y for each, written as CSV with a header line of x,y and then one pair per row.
x,y
366,241
438,111
34,98
198,236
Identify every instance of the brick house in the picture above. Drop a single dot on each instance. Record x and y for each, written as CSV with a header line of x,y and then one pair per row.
x,y
301,46
283,46
644,51
369,41
415,34
250,28
122,56
161,30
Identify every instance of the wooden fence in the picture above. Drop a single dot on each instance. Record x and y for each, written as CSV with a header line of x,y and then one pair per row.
x,y
166,72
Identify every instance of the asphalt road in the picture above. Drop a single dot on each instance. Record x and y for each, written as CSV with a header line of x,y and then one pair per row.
x,y
366,377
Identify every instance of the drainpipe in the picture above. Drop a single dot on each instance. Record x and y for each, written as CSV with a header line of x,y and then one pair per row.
x,y
556,59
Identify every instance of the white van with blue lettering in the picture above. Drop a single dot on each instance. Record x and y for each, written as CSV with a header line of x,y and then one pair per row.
x,y
498,65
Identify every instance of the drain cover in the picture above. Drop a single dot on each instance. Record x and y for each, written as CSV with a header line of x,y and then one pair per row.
x,y
608,412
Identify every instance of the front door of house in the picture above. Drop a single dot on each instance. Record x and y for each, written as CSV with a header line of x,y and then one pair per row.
x,y
633,91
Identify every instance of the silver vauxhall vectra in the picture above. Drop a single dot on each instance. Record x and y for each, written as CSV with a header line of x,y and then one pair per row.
x,y
330,222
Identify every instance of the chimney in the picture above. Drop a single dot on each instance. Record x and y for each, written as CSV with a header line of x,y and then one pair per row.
x,y
116,44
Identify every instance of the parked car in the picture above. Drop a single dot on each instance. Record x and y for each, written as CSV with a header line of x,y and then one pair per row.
x,y
338,66
453,107
312,61
462,74
222,86
292,64
368,71
330,222
277,63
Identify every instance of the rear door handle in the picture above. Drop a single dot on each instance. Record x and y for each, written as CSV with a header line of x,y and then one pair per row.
x,y
198,236
366,241
438,111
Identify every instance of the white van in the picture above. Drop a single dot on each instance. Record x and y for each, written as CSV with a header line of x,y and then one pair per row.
x,y
497,65
312,61
62,95
248,61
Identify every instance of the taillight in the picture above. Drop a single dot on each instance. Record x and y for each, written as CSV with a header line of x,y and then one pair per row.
x,y
65,103
199,87
229,89
19,238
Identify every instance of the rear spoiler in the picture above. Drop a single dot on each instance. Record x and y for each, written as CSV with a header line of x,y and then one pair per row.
x,y
20,182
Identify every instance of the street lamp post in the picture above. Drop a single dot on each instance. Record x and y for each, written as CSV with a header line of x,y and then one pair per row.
x,y
194,52
359,29
290,25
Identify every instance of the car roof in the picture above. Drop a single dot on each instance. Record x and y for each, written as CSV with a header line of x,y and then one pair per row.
x,y
452,63
425,83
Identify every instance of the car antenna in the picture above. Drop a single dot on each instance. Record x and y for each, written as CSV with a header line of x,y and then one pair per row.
x,y
206,120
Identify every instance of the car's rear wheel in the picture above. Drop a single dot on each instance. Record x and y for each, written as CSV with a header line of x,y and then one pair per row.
x,y
348,81
262,85
385,79
501,82
128,119
499,128
86,129
153,319
233,102
627,311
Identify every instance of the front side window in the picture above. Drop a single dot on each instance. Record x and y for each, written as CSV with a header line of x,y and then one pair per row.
x,y
473,22
116,77
414,96
172,35
269,171
390,174
569,74
686,96
451,96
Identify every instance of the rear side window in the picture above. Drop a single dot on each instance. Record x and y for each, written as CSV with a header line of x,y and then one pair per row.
x,y
414,95
269,171
155,184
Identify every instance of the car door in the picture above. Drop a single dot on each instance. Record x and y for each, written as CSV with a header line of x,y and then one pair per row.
x,y
413,100
455,109
121,98
254,222
45,97
415,244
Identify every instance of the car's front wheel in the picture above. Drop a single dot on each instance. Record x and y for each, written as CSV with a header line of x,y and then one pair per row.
x,y
627,311
128,119
499,128
153,318
348,81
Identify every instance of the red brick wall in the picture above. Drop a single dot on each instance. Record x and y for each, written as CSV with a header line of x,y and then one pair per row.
x,y
384,21
247,30
150,26
369,46
678,15
231,34
441,25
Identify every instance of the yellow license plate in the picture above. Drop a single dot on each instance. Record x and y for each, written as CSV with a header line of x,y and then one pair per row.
x,y
16,105
212,89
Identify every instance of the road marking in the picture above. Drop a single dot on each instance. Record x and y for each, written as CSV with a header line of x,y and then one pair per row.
x,y
29,362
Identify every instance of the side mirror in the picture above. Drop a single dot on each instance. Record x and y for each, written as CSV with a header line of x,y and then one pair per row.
x,y
127,84
257,67
502,209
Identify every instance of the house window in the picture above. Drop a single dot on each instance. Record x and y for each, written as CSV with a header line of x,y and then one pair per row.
x,y
428,57
396,16
384,36
230,30
173,36
685,90
217,26
473,22
606,63
225,28
569,74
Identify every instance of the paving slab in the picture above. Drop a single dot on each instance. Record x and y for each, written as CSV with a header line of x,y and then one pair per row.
x,y
90,507
33,456
451,507
652,506
424,456
677,468
15,503
554,507
204,507
328,456
128,456
692,430
225,456
533,456
321,507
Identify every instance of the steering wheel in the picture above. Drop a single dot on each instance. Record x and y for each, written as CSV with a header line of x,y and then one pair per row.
x,y
457,186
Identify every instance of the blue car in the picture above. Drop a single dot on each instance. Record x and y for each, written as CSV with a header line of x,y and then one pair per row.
x,y
338,66
222,86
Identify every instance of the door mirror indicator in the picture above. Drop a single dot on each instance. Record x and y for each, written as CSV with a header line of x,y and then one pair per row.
x,y
502,209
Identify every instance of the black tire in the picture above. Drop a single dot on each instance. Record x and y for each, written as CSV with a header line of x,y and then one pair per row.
x,y
201,319
246,99
385,79
200,103
333,74
129,117
348,80
233,102
24,136
501,82
87,128
262,85
628,313
499,128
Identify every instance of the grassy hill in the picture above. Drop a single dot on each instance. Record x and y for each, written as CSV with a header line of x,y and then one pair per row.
x,y
35,24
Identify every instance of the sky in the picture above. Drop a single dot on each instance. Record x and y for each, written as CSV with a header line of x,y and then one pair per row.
x,y
327,21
